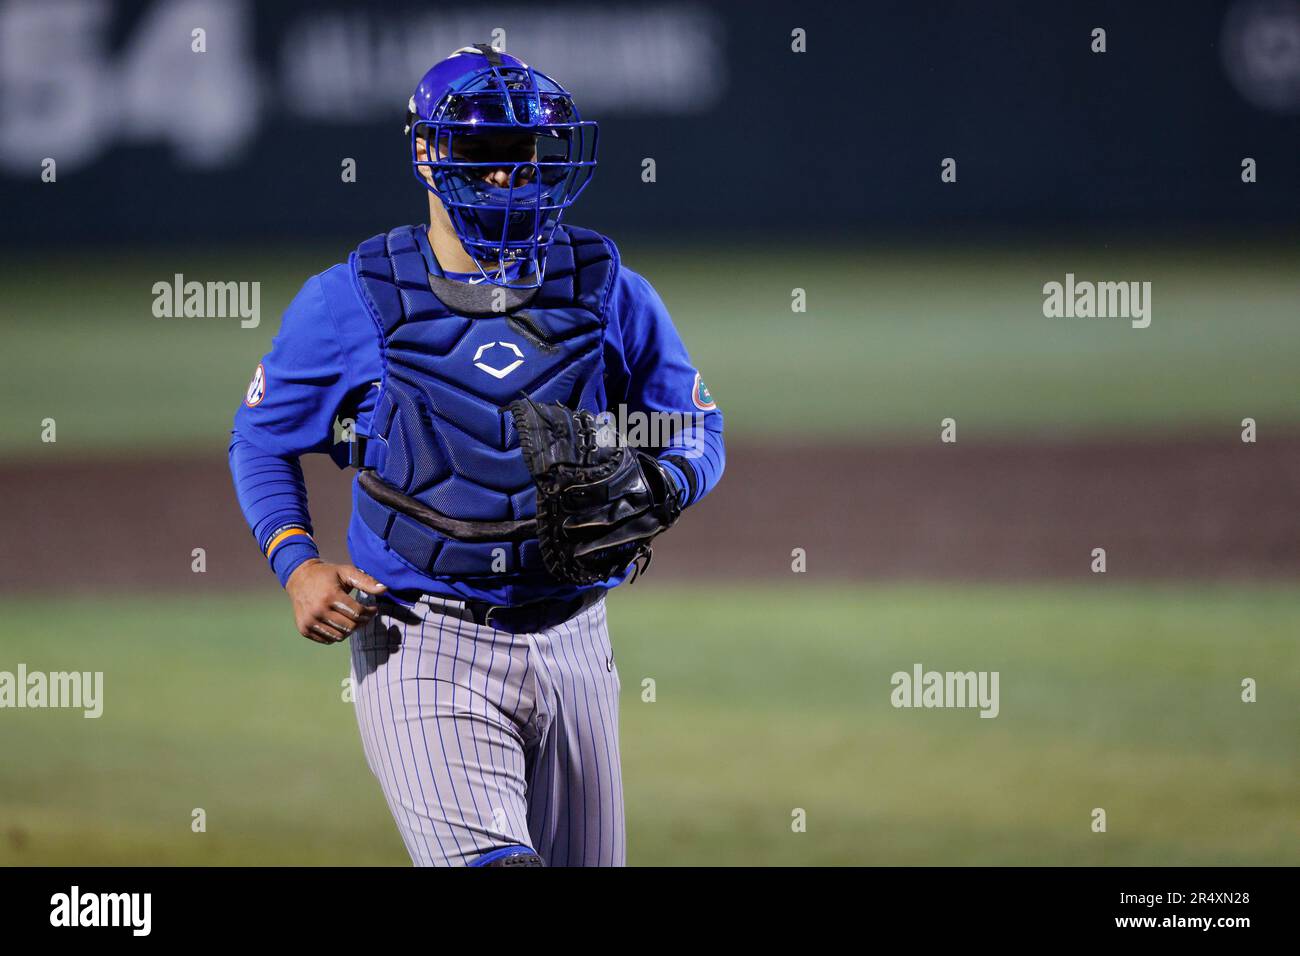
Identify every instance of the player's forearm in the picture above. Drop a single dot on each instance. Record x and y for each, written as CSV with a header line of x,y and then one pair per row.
x,y
697,457
273,497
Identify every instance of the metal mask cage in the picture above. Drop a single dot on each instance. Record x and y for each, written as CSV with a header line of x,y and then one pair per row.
x,y
513,223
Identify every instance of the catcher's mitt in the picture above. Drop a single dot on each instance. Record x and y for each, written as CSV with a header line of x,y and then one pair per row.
x,y
599,503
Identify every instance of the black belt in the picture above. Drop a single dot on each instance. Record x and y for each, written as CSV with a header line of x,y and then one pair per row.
x,y
511,618
532,617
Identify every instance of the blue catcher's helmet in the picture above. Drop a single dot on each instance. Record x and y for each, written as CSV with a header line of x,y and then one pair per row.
x,y
460,123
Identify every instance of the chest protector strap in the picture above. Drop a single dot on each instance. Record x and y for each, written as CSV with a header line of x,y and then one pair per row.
x,y
473,531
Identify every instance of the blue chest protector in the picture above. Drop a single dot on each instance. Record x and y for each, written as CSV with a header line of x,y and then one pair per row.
x,y
439,442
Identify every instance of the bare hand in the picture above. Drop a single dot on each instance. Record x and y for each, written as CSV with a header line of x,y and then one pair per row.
x,y
322,607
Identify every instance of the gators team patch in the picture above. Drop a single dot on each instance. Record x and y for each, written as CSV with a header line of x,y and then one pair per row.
x,y
256,388
701,397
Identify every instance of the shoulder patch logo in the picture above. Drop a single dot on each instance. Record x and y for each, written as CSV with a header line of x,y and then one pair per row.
x,y
256,388
701,397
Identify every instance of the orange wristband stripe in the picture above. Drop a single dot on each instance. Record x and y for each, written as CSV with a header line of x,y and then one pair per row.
x,y
280,538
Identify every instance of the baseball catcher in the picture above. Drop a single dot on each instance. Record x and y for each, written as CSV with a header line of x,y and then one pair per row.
x,y
488,366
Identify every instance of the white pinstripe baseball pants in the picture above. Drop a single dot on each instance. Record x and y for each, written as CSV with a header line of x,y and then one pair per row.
x,y
481,739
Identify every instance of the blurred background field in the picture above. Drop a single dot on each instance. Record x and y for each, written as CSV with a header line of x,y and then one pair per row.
x,y
775,699
893,341
924,301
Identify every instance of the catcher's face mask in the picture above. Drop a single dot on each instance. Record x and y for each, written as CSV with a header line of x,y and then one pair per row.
x,y
506,152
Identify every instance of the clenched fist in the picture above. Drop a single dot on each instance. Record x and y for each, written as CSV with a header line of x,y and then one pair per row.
x,y
322,607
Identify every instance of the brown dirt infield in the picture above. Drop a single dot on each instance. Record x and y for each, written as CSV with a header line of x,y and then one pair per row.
x,y
1173,509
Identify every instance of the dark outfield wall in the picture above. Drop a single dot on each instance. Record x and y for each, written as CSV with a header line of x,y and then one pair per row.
x,y
153,141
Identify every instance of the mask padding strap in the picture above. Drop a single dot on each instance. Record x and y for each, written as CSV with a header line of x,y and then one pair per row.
x,y
493,57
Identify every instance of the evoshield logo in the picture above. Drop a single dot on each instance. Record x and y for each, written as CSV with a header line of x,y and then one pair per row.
x,y
103,909
503,371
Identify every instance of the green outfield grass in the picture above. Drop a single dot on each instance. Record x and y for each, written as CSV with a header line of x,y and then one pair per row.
x,y
770,700
893,341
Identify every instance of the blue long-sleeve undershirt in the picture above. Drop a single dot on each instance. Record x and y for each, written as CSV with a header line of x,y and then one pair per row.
x,y
273,497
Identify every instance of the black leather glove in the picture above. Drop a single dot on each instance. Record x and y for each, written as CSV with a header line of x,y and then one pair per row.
x,y
599,504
